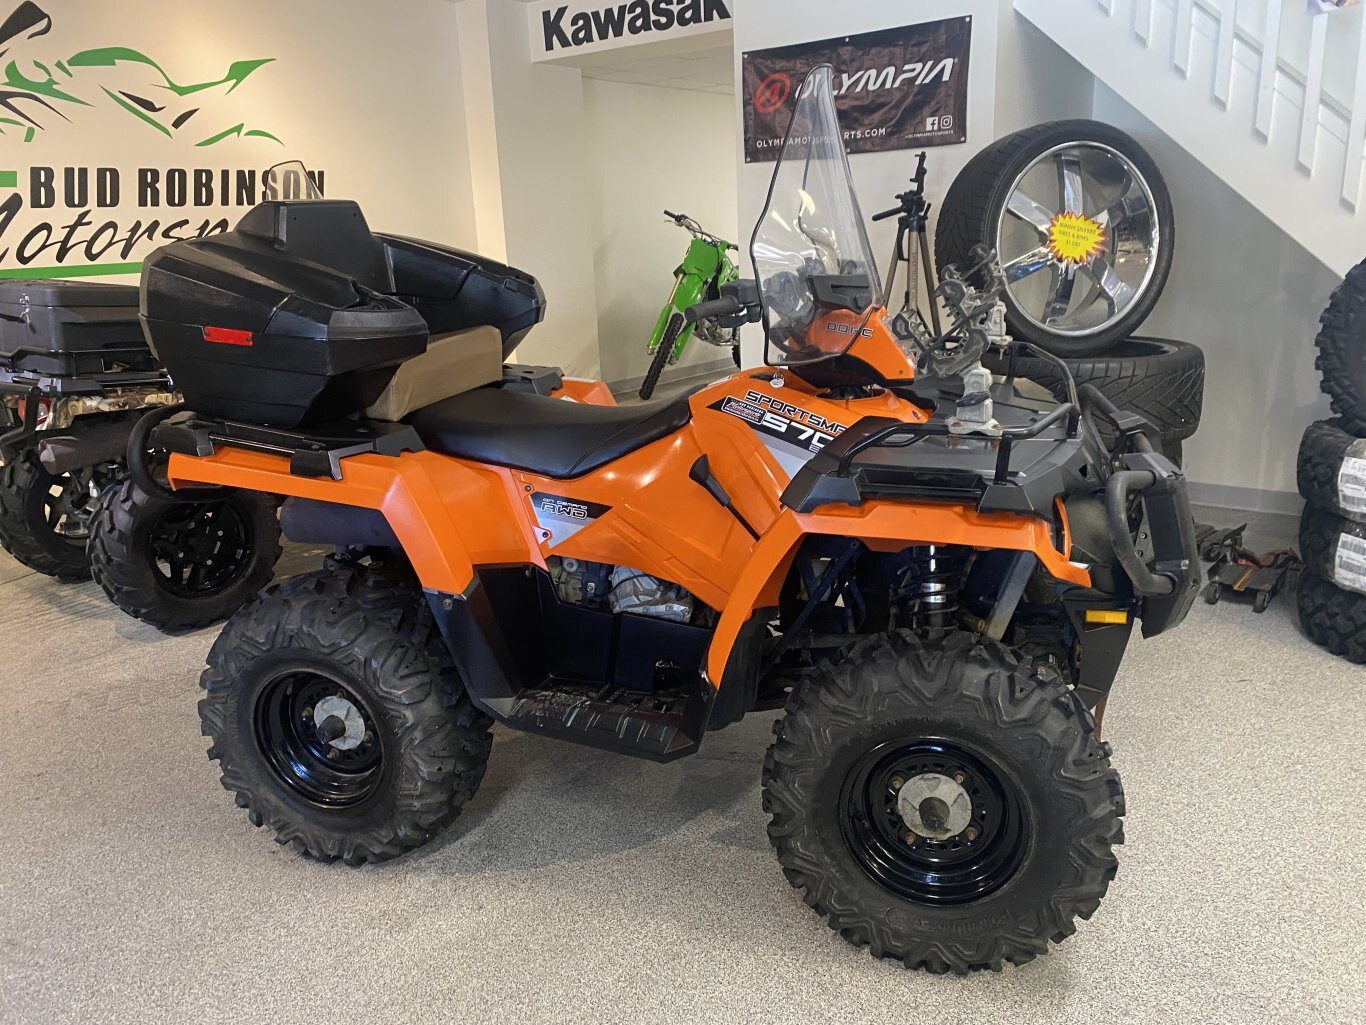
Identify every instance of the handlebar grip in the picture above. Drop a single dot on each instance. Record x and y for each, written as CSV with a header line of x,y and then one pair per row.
x,y
673,216
726,306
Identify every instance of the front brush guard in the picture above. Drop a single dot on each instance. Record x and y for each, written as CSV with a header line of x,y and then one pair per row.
x,y
1165,572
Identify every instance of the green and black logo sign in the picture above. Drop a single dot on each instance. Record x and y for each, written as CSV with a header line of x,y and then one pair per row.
x,y
67,217
36,90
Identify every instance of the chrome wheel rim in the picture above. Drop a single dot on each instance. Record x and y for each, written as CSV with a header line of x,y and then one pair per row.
x,y
1073,195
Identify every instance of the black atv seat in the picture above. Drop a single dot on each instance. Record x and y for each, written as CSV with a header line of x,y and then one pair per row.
x,y
551,437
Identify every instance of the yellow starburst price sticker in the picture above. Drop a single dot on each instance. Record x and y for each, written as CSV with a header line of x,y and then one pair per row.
x,y
1073,238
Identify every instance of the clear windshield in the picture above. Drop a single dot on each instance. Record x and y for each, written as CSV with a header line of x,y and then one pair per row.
x,y
815,269
290,180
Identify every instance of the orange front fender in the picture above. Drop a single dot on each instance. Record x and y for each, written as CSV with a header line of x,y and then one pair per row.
x,y
883,526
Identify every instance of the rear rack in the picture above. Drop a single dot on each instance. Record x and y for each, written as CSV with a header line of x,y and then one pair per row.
x,y
18,381
316,452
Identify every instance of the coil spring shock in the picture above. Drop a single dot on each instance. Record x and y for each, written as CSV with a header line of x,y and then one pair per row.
x,y
928,598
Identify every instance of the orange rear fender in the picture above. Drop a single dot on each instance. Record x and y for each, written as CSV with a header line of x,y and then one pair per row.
x,y
449,515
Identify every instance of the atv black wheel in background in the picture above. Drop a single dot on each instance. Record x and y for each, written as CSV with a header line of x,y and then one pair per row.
x,y
1342,351
1009,198
1333,618
1008,833
181,566
45,519
337,718
1160,380
662,355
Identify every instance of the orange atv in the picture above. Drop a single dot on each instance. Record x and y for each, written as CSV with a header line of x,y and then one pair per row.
x,y
935,580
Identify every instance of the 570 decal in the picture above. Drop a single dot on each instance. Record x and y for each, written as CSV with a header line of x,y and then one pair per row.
x,y
770,415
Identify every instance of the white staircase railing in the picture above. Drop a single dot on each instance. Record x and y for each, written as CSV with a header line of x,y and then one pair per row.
x,y
1271,98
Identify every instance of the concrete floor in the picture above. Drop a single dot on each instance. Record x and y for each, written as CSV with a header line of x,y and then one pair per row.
x,y
584,887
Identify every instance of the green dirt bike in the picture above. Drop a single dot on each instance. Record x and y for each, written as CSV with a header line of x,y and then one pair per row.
x,y
705,269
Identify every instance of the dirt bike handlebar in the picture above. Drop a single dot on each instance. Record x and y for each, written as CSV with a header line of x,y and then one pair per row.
x,y
684,221
726,306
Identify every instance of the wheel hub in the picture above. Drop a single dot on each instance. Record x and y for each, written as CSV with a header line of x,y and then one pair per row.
x,y
202,549
339,722
319,738
934,806
932,820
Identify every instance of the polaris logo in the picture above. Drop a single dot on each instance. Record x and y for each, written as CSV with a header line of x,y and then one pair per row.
x,y
585,28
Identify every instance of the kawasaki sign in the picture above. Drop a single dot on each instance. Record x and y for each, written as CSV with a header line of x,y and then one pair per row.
x,y
563,29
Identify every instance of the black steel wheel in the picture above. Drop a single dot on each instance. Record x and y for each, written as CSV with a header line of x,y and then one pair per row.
x,y
946,804
940,865
337,716
45,518
181,566
319,736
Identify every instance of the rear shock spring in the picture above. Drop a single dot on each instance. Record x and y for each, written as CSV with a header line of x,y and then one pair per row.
x,y
928,595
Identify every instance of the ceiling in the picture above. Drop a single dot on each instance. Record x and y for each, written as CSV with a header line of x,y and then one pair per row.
x,y
703,71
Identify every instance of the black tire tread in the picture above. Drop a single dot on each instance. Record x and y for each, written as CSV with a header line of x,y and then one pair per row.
x,y
1320,530
1163,382
1341,347
1322,450
1018,697
370,619
21,475
1333,618
661,357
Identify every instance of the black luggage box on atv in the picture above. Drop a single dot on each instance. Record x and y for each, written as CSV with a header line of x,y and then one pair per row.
x,y
71,329
301,316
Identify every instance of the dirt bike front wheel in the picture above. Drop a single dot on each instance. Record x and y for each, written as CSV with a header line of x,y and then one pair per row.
x,y
662,355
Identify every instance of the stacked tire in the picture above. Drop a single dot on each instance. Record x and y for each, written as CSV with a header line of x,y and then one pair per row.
x,y
1332,480
1162,380
1029,197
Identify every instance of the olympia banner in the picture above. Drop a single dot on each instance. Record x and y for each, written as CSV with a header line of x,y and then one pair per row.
x,y
896,88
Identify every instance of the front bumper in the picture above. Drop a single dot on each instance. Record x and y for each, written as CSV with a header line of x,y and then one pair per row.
x,y
1163,561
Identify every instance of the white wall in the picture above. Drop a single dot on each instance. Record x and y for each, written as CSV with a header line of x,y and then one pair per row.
x,y
1251,298
543,186
374,102
652,148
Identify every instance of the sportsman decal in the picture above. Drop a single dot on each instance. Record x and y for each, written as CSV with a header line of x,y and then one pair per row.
x,y
792,434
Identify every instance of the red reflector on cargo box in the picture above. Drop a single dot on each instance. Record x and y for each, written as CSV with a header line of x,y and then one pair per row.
x,y
227,336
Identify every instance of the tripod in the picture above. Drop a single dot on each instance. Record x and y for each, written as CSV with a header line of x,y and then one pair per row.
x,y
914,215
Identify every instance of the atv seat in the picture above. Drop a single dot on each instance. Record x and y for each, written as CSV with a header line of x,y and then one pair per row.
x,y
551,437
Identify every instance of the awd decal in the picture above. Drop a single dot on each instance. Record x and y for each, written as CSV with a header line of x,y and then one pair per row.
x,y
791,433
560,518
